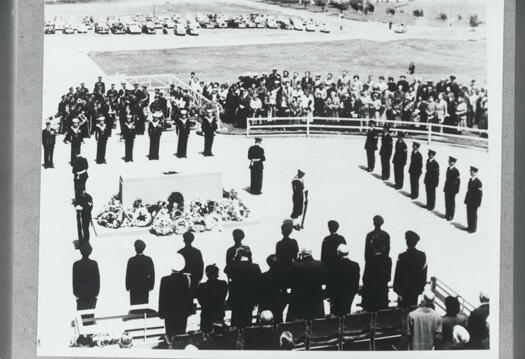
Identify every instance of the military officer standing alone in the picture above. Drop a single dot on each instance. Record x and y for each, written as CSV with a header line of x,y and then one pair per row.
x,y
400,160
473,200
371,147
415,170
209,126
154,132
451,188
101,136
86,280
256,157
431,179
80,174
385,152
129,133
298,198
83,206
48,141
140,275
183,130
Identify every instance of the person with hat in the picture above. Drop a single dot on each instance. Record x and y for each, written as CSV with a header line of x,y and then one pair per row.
x,y
400,160
330,243
415,169
175,299
154,132
140,275
376,276
385,152
473,199
125,341
451,188
271,291
478,326
183,130
101,136
211,296
256,157
424,325
83,205
100,86
431,179
129,133
75,138
79,167
377,235
193,258
208,126
112,92
86,281
411,272
49,135
343,283
286,249
371,146
299,198
451,320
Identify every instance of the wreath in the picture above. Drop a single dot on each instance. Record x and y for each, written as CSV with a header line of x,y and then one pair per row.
x,y
141,217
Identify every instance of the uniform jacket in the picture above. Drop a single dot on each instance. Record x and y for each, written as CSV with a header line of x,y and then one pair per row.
x,y
129,131
477,326
379,236
194,264
386,146
49,137
101,133
344,279
244,278
400,155
86,279
212,294
79,164
154,131
371,140
306,279
432,173
175,296
474,193
140,273
452,181
286,251
256,152
411,272
209,127
416,163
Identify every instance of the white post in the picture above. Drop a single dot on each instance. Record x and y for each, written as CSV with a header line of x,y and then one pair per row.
x,y
429,129
307,127
248,128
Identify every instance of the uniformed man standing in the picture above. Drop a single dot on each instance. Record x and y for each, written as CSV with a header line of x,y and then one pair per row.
x,y
256,157
154,132
48,141
83,206
129,133
371,146
86,280
298,198
101,136
377,236
415,170
183,130
209,126
451,188
385,152
140,275
431,179
193,258
100,86
74,136
400,160
80,174
473,200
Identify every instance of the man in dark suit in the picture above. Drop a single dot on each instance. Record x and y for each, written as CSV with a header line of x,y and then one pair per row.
x,y
473,200
48,141
400,160
209,126
83,206
330,243
238,236
377,236
175,300
415,170
256,157
343,283
193,257
211,296
411,272
451,188
271,293
286,249
431,179
371,147
386,152
80,174
140,275
477,325
86,280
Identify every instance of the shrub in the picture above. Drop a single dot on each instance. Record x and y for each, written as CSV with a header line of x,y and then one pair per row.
x,y
322,4
417,13
474,21
442,16
341,5
390,11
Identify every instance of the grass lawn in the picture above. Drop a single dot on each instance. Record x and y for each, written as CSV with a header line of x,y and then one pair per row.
x,y
433,59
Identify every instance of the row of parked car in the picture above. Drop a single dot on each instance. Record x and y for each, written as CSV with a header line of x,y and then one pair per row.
x,y
179,25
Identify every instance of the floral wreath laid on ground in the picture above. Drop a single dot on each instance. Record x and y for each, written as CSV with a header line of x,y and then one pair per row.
x,y
172,216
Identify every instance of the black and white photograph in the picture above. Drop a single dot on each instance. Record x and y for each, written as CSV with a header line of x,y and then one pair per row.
x,y
223,176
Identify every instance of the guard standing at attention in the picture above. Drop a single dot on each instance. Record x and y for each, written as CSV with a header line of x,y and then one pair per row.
x,y
209,126
101,136
154,132
48,141
298,198
400,160
431,179
83,206
80,174
415,170
129,133
371,147
256,157
74,136
451,188
385,152
183,130
473,200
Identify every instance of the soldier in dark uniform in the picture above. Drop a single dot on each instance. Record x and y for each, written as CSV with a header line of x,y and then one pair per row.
x,y
80,174
142,102
209,126
411,273
175,299
386,152
451,188
129,133
400,160
379,236
271,292
140,275
256,157
74,136
371,147
154,132
298,198
286,249
101,136
193,257
473,200
330,243
113,92
431,179
211,296
377,274
99,87
183,130
86,280
83,206
343,283
415,170
48,141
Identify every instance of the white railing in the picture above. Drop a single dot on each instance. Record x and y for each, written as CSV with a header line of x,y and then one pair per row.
x,y
312,125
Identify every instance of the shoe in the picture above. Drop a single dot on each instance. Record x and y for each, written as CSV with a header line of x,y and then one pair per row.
x,y
297,227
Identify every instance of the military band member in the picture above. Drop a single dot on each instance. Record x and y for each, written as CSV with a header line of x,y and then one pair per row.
x,y
129,133
113,91
371,146
209,126
451,188
80,174
48,141
431,179
74,136
183,130
101,136
298,198
473,200
386,152
83,206
154,132
256,157
415,170
400,160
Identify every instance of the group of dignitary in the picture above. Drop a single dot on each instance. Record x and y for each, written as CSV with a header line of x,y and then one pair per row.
x,y
431,179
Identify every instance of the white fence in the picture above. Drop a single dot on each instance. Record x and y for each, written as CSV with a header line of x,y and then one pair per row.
x,y
323,125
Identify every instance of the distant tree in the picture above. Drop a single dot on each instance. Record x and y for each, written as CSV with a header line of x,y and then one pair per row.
x,y
322,4
390,11
417,13
442,16
460,17
341,5
356,5
368,8
474,22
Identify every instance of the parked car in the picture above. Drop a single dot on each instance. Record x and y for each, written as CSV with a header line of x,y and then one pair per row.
x,y
400,28
101,28
69,29
324,29
81,29
310,26
134,28
298,25
193,29
118,28
180,30
271,23
149,28
49,28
